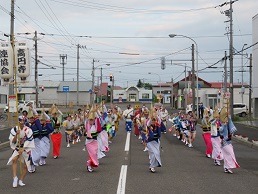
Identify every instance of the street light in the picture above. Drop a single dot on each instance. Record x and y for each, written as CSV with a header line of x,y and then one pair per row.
x,y
159,82
197,77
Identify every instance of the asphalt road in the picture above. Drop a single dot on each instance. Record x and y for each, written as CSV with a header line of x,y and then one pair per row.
x,y
184,170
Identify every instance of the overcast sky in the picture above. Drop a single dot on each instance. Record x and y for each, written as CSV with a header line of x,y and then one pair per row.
x,y
131,36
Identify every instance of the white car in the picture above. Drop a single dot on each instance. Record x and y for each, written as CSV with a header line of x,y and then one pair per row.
x,y
6,108
240,109
20,106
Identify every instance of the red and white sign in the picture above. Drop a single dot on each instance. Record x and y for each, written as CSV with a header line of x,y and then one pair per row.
x,y
227,95
12,107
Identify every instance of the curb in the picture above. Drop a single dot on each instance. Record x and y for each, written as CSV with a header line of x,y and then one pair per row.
x,y
246,143
246,125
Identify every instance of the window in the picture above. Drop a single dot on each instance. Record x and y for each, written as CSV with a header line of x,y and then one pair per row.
x,y
3,99
145,96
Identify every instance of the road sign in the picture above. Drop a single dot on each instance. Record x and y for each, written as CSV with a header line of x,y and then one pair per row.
x,y
12,104
65,88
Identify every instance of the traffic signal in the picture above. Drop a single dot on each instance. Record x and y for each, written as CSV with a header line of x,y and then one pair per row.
x,y
111,77
42,88
219,92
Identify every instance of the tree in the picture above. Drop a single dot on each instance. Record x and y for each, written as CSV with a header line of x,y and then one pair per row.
x,y
148,86
140,84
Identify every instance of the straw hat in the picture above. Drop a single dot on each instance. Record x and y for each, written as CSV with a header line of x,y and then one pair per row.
x,y
42,115
52,108
92,113
87,107
30,113
216,113
224,114
54,111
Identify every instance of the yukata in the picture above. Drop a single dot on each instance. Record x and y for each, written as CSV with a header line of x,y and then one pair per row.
x,y
127,114
164,116
77,122
101,154
104,133
153,145
47,128
56,136
35,152
226,131
92,142
206,134
136,127
25,140
69,130
216,142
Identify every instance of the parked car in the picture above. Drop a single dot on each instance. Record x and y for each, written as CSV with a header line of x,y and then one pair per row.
x,y
20,106
240,109
6,108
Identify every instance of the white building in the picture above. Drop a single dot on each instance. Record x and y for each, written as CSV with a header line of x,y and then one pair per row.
x,y
56,92
255,66
132,94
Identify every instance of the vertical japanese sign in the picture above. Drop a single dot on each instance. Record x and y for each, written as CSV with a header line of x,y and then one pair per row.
x,y
21,52
6,61
22,60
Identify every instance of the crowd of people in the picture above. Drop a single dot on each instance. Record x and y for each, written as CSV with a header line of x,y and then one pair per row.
x,y
31,139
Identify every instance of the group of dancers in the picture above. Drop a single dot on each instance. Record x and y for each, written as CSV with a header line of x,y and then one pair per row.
x,y
30,139
30,142
217,131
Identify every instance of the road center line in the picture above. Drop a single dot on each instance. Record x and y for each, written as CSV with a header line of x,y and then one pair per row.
x,y
127,143
122,180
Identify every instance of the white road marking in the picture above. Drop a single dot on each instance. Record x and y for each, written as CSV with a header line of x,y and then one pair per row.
x,y
122,180
127,143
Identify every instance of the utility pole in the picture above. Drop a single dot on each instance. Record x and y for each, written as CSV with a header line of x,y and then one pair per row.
x,y
112,91
185,90
78,58
231,87
242,73
63,62
193,81
36,69
92,86
250,85
172,93
100,84
11,86
225,73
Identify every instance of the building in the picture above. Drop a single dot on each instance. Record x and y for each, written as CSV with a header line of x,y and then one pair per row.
x,y
132,94
56,92
255,66
209,93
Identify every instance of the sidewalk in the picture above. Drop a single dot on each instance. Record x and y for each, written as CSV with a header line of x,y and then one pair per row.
x,y
249,123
